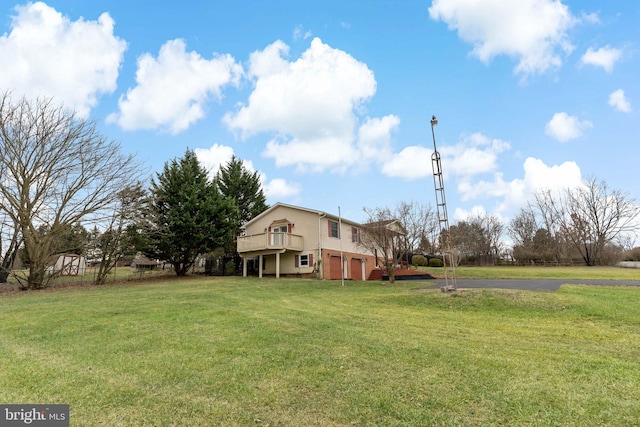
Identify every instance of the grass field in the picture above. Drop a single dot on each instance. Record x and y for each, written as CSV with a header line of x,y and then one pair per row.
x,y
89,276
244,351
538,272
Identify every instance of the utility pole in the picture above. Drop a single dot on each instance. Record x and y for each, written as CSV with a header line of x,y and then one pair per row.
x,y
443,218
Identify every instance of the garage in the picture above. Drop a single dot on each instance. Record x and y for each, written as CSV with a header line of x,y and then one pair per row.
x,y
335,269
356,269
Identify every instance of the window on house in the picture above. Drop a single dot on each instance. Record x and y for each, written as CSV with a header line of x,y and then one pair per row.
x,y
355,235
334,231
304,260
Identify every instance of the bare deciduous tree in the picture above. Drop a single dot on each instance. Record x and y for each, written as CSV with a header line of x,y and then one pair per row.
x,y
382,236
420,223
478,236
590,216
523,227
532,243
10,242
117,239
57,170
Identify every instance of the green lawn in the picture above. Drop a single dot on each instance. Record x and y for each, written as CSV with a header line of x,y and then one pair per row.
x,y
116,274
538,272
234,351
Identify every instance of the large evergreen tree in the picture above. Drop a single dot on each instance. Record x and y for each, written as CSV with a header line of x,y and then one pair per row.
x,y
187,214
236,182
242,186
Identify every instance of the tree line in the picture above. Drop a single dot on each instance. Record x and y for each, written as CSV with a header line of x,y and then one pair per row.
x,y
64,187
590,224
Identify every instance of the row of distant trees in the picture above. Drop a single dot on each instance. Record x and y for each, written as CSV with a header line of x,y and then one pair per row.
x,y
64,187
590,224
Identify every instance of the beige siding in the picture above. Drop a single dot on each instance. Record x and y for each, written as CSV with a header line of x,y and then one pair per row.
x,y
288,264
345,241
313,227
304,223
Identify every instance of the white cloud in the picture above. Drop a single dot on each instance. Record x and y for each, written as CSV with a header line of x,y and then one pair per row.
x,y
472,170
564,127
309,104
605,57
475,189
475,154
278,188
172,90
299,33
533,31
50,55
270,61
460,214
619,101
412,162
213,157
374,137
312,154
515,194
537,177
590,18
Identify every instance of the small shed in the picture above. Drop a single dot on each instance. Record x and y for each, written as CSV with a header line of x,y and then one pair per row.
x,y
67,265
142,263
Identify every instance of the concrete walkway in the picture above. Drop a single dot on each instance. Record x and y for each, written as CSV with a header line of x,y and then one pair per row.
x,y
527,284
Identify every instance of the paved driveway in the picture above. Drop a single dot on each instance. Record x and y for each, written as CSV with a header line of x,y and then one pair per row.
x,y
529,284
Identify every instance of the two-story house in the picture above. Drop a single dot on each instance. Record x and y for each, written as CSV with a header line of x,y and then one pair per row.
x,y
290,240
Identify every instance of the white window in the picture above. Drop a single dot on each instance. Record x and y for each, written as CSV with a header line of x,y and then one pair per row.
x,y
304,260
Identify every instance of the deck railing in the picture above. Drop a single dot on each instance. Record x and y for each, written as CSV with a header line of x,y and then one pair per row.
x,y
273,240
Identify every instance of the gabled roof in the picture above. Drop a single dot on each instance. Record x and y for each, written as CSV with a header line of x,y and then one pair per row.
x,y
393,225
313,211
53,259
143,260
281,221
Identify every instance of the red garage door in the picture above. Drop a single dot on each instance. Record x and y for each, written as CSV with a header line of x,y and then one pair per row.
x,y
356,269
335,270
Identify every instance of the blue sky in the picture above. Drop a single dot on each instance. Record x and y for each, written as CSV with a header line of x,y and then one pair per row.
x,y
330,101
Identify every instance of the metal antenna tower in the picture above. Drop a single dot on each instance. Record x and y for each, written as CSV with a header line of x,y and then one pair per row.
x,y
443,218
